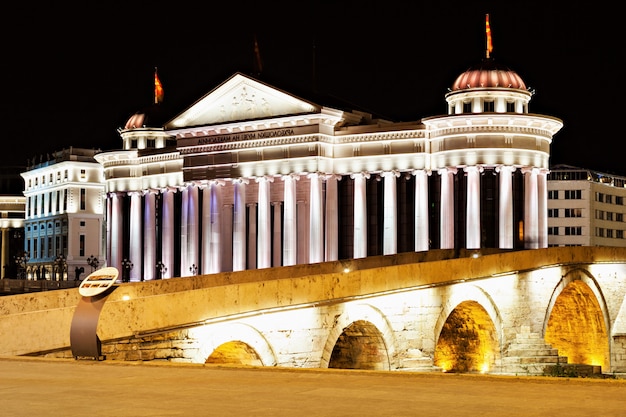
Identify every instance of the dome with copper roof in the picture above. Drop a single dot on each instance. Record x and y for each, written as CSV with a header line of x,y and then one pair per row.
x,y
488,74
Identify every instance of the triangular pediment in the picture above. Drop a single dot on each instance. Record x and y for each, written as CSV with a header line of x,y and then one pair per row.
x,y
241,98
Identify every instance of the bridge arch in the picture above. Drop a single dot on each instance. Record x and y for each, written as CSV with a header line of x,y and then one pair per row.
x,y
367,320
468,332
240,338
577,321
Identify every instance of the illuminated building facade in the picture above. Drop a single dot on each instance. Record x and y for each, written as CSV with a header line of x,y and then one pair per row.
x,y
64,225
585,207
12,212
250,176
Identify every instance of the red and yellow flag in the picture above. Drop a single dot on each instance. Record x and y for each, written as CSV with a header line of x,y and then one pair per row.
x,y
158,88
488,32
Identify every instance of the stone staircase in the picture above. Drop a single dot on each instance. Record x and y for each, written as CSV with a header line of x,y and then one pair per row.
x,y
416,361
529,354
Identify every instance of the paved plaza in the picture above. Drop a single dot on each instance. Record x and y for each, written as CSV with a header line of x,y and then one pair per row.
x,y
36,387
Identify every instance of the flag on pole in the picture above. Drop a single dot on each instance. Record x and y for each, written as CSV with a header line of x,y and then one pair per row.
x,y
488,32
158,88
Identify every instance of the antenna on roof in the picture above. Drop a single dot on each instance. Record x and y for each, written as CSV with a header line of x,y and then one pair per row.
x,y
488,33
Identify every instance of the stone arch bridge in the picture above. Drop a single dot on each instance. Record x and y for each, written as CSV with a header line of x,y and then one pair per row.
x,y
507,312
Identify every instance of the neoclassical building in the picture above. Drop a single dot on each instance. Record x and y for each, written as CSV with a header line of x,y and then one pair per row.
x,y
250,176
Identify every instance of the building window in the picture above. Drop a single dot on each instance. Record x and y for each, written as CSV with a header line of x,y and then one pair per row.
x,y
554,231
609,215
573,194
510,106
83,174
489,106
600,197
619,234
609,233
553,212
553,194
609,199
619,200
619,217
81,247
83,197
573,231
573,213
600,214
467,107
600,232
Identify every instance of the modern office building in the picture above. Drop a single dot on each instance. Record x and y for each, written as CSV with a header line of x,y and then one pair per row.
x,y
585,207
250,176
64,225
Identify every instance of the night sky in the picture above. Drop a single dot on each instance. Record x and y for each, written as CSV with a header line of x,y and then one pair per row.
x,y
72,75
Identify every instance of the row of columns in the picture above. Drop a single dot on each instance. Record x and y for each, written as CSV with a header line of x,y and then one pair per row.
x,y
309,232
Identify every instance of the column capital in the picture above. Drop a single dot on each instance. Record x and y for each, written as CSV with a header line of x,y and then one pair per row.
x,y
447,170
390,173
362,174
502,168
294,177
266,178
471,168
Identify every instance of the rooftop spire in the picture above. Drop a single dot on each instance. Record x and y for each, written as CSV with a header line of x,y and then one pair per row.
x,y
488,33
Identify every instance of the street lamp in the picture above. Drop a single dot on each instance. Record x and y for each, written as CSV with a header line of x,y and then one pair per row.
x,y
93,262
161,269
21,261
127,265
60,264
193,269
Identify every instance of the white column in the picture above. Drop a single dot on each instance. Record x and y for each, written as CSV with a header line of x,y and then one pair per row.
x,y
184,202
531,211
505,207
215,245
264,236
149,236
109,217
360,214
472,215
239,225
117,232
167,234
193,260
251,250
290,246
277,233
205,256
332,218
226,251
447,208
5,251
316,219
134,253
542,206
390,213
422,234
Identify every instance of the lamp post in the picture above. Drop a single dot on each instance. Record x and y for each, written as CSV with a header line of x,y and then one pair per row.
x,y
21,261
60,264
193,269
161,269
93,262
127,265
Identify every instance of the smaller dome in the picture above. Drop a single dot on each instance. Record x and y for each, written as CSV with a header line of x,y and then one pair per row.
x,y
152,116
488,74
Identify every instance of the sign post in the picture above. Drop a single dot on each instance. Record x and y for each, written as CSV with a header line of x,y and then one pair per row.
x,y
83,333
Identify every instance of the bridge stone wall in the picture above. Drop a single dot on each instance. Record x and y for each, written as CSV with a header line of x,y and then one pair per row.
x,y
294,316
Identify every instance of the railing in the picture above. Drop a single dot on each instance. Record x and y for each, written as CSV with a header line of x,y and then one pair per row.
x,y
21,286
